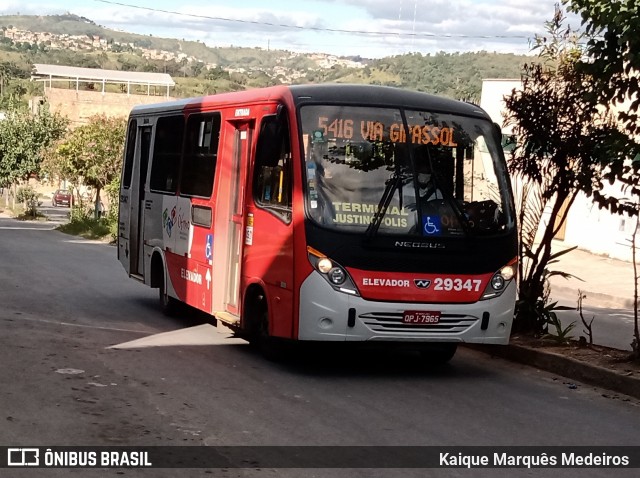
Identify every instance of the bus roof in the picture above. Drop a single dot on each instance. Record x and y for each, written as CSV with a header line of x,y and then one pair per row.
x,y
384,96
222,99
329,93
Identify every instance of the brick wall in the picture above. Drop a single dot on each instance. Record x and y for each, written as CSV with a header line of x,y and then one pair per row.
x,y
79,106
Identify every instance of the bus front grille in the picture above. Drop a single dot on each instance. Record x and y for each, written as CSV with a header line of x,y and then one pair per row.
x,y
390,322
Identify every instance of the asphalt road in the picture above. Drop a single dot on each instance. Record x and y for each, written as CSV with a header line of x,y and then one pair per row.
x,y
88,359
55,215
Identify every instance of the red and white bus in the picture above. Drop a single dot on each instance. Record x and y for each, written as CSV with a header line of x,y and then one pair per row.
x,y
324,213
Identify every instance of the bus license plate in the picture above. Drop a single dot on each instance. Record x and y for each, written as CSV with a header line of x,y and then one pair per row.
x,y
421,317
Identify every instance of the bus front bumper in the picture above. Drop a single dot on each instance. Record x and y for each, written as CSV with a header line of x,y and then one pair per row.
x,y
328,315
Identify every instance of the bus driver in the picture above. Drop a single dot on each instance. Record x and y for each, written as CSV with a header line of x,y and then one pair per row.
x,y
427,188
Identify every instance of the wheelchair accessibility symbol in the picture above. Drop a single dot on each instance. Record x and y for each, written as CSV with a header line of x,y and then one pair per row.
x,y
208,251
431,225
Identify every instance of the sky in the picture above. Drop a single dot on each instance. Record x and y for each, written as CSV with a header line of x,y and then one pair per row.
x,y
366,28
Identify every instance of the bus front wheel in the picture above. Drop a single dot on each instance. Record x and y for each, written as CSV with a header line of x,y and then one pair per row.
x,y
270,347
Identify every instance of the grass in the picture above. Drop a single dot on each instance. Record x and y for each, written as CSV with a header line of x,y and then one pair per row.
x,y
20,213
89,228
82,223
29,216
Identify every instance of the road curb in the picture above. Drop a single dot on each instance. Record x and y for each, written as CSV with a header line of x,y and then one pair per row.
x,y
567,367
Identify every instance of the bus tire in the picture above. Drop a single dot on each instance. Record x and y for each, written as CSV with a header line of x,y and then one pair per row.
x,y
168,304
438,353
269,347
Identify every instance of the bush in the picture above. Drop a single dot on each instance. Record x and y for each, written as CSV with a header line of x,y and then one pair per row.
x,y
83,223
29,197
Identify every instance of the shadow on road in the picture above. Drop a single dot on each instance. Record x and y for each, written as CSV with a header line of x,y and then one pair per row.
x,y
55,215
364,361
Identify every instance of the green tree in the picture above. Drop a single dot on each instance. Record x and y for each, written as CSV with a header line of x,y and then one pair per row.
x,y
4,77
12,83
564,145
29,197
23,139
612,51
612,59
216,73
90,154
59,162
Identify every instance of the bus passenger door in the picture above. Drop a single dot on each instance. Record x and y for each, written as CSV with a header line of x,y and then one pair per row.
x,y
137,199
242,142
229,224
126,195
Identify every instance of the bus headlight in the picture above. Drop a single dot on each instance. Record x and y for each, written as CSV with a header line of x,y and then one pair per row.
x,y
337,276
324,265
508,272
333,273
499,281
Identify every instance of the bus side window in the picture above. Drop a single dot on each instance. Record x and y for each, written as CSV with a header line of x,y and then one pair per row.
x,y
272,171
200,156
167,149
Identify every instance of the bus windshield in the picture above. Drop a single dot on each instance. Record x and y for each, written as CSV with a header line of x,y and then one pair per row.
x,y
400,172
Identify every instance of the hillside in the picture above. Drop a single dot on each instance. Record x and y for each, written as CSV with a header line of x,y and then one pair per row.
x,y
198,69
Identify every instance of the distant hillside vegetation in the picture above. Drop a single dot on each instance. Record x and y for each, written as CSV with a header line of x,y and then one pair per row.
x,y
457,75
199,69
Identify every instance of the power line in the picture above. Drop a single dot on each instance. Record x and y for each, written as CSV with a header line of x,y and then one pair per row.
x,y
316,29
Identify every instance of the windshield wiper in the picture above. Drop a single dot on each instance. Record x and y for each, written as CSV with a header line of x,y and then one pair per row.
x,y
393,183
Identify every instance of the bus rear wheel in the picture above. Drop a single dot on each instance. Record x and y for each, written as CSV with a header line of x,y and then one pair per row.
x,y
168,304
438,354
